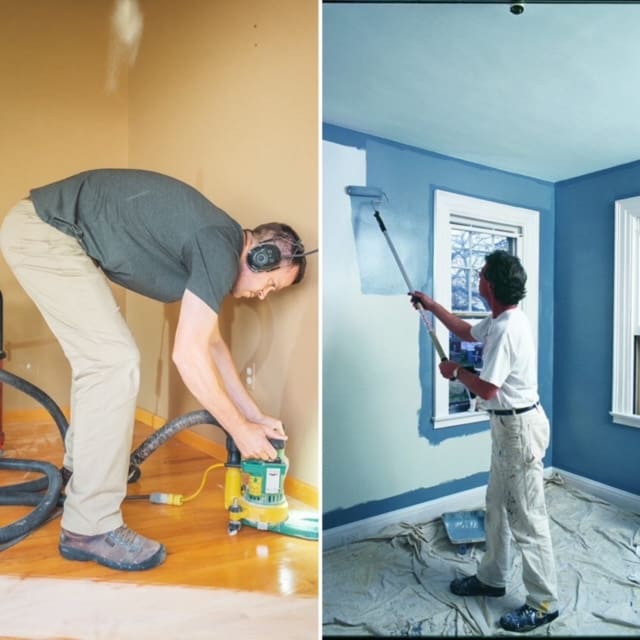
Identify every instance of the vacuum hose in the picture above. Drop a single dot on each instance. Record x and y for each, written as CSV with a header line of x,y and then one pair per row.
x,y
27,493
163,434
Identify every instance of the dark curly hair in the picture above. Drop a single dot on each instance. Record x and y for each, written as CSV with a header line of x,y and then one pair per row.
x,y
507,275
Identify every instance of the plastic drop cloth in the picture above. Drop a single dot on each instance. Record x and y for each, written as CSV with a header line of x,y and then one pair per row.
x,y
397,583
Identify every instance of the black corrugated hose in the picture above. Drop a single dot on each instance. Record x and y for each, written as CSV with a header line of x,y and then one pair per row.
x,y
172,427
43,493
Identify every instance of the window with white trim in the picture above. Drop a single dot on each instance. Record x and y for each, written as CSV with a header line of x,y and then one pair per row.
x,y
466,230
626,314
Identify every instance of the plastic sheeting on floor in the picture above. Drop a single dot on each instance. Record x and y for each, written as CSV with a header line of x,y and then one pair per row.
x,y
397,583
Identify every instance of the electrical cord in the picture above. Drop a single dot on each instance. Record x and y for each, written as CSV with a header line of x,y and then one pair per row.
x,y
177,499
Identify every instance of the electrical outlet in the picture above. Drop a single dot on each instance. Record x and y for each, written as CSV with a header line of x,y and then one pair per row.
x,y
250,377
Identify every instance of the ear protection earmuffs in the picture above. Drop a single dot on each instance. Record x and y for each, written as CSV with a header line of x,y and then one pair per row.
x,y
266,256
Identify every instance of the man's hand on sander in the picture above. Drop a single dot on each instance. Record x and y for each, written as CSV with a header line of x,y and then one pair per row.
x,y
253,440
273,428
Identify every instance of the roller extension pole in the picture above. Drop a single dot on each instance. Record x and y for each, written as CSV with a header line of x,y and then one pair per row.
x,y
423,311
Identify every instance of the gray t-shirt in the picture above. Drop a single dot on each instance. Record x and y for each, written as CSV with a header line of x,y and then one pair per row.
x,y
148,232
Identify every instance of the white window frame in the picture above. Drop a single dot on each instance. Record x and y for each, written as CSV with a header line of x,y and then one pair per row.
x,y
527,222
626,309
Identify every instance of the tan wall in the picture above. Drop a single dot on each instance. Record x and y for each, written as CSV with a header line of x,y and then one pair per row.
x,y
56,118
223,95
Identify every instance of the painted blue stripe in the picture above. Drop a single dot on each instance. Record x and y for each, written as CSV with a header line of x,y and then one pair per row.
x,y
358,512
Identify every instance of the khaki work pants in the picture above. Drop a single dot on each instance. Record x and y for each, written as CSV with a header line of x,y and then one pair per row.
x,y
515,506
77,303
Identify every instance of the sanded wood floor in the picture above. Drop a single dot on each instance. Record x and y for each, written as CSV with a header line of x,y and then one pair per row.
x,y
200,551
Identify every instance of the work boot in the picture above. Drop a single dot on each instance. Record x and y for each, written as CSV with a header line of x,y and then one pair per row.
x,y
471,586
526,618
121,549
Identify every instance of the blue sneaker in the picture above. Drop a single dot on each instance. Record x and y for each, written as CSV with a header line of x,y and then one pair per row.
x,y
526,618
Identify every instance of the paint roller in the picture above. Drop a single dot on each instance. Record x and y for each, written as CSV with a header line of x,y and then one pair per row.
x,y
376,195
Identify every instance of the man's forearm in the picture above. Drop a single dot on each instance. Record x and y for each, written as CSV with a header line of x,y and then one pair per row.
x,y
198,374
456,325
232,382
215,384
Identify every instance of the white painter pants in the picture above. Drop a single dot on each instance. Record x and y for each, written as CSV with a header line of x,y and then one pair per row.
x,y
77,303
515,506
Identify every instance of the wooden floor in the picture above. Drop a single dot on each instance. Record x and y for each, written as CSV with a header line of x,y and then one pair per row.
x,y
200,551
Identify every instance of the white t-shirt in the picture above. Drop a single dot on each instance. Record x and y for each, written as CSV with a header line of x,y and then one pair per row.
x,y
509,359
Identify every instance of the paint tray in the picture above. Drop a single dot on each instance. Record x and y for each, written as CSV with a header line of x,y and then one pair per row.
x,y
464,527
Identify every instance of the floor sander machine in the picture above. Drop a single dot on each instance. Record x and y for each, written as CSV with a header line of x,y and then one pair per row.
x,y
253,490
254,496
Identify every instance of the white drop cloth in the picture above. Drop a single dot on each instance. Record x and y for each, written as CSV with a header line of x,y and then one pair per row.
x,y
397,583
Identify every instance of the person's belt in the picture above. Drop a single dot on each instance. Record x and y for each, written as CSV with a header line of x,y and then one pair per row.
x,y
510,412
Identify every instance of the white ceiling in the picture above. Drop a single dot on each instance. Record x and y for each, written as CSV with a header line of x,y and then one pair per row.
x,y
552,93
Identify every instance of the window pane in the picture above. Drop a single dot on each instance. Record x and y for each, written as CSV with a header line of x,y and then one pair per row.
x,y
459,289
469,355
469,247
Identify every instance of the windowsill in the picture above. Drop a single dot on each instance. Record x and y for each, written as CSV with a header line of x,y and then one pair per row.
x,y
458,419
630,420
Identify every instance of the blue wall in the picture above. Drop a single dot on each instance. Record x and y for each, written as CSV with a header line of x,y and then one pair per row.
x,y
409,177
585,440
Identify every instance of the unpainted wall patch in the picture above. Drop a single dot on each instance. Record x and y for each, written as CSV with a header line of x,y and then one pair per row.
x,y
379,273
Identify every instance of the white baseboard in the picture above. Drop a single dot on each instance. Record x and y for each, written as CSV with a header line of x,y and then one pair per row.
x,y
415,514
623,499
